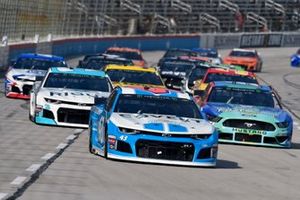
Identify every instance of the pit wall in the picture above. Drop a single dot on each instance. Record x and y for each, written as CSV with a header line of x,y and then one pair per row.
x,y
72,47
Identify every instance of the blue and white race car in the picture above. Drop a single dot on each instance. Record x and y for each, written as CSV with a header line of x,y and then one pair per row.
x,y
65,96
153,125
295,59
26,70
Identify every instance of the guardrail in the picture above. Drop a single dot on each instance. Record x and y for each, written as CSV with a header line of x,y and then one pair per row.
x,y
80,46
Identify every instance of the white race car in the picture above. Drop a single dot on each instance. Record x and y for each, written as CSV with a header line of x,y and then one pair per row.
x,y
65,96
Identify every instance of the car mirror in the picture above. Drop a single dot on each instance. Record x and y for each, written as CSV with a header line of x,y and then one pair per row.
x,y
100,100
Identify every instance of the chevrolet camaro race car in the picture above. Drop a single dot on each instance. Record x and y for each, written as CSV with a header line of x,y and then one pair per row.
x,y
65,96
250,60
224,74
154,126
129,53
134,76
212,54
99,62
295,59
247,114
28,67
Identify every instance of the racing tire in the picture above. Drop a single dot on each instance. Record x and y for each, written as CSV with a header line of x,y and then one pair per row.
x,y
90,142
105,144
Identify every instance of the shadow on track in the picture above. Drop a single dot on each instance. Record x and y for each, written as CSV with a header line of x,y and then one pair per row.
x,y
226,164
296,146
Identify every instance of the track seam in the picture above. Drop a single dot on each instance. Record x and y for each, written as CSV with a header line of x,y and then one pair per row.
x,y
60,149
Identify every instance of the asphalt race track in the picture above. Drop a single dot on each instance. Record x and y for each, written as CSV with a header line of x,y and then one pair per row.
x,y
42,162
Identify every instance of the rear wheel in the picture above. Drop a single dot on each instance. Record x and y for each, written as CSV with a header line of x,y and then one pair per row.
x,y
90,142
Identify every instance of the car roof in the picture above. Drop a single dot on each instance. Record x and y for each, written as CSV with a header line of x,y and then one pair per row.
x,y
154,92
249,86
244,50
41,56
124,49
213,50
230,71
82,71
132,68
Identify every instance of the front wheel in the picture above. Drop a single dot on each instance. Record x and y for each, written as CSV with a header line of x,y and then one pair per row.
x,y
105,146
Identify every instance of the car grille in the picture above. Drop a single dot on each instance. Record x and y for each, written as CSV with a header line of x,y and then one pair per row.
x,y
74,116
225,136
247,138
249,124
26,89
165,150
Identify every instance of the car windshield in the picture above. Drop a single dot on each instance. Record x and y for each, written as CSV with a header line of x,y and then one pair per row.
x,y
99,64
209,54
241,96
125,54
131,76
37,64
177,67
242,54
212,77
132,103
77,81
196,74
178,53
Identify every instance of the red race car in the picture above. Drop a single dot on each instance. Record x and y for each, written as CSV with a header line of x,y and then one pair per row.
x,y
129,53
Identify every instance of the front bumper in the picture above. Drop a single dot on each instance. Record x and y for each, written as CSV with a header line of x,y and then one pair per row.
x,y
63,115
280,137
159,149
18,89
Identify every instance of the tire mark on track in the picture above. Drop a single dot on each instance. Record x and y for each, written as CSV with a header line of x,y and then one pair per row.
x,y
290,83
280,99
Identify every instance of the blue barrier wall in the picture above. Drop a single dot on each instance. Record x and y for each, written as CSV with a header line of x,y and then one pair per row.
x,y
75,47
16,49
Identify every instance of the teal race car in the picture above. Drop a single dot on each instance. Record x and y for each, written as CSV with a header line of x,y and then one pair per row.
x,y
247,113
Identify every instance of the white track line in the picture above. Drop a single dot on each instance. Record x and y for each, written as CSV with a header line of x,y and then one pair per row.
x,y
48,156
33,167
18,180
78,130
62,146
2,195
71,137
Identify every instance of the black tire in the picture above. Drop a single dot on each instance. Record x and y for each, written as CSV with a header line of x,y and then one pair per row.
x,y
105,144
90,143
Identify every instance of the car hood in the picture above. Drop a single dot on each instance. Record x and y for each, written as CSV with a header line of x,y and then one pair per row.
x,y
26,74
161,123
244,111
70,95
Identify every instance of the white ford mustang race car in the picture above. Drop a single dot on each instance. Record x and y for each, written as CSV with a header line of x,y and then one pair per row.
x,y
65,96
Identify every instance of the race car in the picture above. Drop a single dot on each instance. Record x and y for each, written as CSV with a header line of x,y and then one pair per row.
x,y
99,62
134,76
175,53
250,60
224,74
28,68
246,113
155,126
295,59
212,54
129,53
65,96
174,72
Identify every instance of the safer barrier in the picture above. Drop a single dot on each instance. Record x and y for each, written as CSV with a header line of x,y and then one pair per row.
x,y
80,46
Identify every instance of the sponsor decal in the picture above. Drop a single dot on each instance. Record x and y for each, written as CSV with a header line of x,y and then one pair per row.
x,y
249,131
